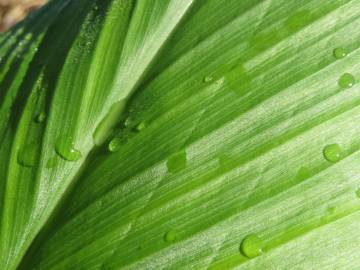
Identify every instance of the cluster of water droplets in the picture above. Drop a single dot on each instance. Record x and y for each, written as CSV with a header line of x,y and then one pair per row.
x,y
252,246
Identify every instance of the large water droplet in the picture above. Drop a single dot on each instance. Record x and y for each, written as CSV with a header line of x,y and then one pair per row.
x,y
339,53
114,144
347,80
65,149
176,162
170,236
332,152
251,246
28,155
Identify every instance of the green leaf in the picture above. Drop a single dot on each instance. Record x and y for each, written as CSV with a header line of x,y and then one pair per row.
x,y
181,134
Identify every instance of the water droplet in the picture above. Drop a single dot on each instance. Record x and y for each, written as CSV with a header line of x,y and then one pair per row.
x,y
40,118
358,193
251,246
208,79
332,152
238,79
339,53
28,155
177,162
170,236
347,80
114,144
51,163
303,173
299,19
140,126
65,149
128,122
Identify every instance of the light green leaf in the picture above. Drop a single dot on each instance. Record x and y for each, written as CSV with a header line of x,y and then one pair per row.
x,y
181,134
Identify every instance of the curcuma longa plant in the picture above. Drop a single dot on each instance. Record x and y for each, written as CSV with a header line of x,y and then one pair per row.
x,y
181,134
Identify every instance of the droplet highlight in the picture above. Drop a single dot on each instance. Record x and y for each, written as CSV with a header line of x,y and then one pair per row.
x,y
170,236
177,162
347,80
65,149
332,152
339,53
251,246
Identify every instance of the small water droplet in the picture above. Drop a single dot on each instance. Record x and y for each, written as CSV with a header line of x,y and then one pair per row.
x,y
65,149
170,236
114,144
208,79
177,162
339,53
140,126
128,122
358,193
299,19
51,163
251,246
332,152
40,118
347,80
303,173
28,155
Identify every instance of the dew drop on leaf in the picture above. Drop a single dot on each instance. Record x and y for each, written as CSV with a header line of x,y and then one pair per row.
x,y
114,144
140,126
65,149
346,80
51,163
40,118
339,53
176,162
303,173
128,122
170,236
27,155
208,79
251,246
299,19
332,152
